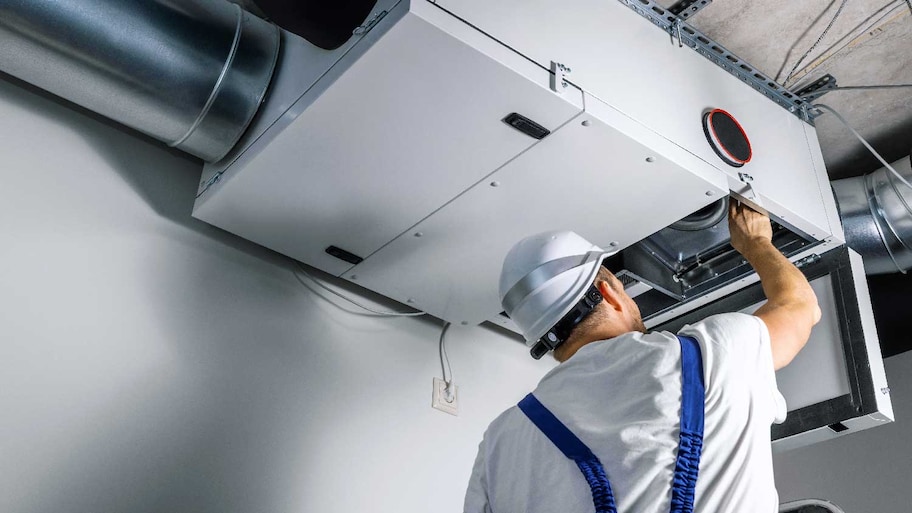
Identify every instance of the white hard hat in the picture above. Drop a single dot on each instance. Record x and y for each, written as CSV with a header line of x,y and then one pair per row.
x,y
544,277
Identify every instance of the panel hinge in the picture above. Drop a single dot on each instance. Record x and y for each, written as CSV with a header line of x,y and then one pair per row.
x,y
209,183
369,24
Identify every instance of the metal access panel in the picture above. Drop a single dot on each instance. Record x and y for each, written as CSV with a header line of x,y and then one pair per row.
x,y
622,58
837,384
406,120
602,175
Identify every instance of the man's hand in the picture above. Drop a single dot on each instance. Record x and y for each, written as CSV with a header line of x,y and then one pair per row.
x,y
748,228
791,309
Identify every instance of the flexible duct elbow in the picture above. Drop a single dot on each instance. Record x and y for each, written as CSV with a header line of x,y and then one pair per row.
x,y
876,212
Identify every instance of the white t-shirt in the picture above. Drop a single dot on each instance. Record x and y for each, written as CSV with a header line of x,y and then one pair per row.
x,y
622,398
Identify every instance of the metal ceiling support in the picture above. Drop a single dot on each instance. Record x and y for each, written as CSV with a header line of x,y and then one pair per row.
x,y
688,8
811,92
686,35
190,73
876,212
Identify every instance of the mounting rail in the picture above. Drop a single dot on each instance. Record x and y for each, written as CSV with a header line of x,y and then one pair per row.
x,y
686,35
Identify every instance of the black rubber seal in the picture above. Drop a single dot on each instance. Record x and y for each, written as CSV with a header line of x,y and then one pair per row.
x,y
727,138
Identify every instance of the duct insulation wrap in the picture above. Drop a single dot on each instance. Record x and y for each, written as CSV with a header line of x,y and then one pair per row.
x,y
876,212
190,73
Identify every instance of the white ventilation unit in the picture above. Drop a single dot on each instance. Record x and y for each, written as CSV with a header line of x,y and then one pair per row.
x,y
410,159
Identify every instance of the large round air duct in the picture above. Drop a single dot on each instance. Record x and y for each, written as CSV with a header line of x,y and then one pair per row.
x,y
191,73
876,212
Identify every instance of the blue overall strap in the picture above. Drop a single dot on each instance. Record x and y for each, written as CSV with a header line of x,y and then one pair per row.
x,y
573,448
690,446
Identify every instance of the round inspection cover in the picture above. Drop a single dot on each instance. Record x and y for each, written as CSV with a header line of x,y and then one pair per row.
x,y
727,138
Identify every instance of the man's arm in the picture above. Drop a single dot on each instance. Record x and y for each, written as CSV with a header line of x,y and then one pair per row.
x,y
476,500
791,309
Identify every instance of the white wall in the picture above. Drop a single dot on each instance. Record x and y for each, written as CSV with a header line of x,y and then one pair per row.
x,y
149,362
865,472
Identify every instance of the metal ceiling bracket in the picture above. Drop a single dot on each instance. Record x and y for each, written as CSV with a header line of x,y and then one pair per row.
x,y
676,32
672,23
559,77
811,92
687,8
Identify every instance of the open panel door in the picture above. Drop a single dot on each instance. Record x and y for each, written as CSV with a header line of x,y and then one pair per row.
x,y
837,384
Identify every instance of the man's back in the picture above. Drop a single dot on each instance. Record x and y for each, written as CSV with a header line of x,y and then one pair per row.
x,y
621,397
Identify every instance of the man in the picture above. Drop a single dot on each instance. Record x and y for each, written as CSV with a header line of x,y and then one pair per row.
x,y
617,394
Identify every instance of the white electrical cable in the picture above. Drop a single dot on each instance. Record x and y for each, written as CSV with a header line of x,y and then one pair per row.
x,y
352,301
446,370
863,141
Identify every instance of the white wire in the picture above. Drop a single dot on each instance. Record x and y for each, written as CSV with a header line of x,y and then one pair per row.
x,y
875,86
863,141
445,356
352,301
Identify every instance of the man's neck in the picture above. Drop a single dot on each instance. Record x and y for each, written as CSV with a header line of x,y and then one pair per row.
x,y
576,341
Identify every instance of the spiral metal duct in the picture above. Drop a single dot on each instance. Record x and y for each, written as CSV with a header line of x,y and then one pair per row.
x,y
876,212
190,73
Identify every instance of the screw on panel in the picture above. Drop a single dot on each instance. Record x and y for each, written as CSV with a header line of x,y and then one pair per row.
x,y
364,29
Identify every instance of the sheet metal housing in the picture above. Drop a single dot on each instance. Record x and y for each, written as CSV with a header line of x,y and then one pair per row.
x,y
393,149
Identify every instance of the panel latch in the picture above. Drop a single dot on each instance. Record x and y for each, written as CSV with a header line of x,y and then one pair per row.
x,y
559,74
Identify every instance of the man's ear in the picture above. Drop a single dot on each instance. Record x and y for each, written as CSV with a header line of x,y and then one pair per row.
x,y
610,295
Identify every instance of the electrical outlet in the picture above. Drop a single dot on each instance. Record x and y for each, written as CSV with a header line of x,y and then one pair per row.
x,y
440,398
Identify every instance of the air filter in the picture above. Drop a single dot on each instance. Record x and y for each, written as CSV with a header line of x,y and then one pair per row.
x,y
727,138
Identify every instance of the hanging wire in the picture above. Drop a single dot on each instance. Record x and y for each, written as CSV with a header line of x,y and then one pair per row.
x,y
863,141
352,301
895,4
445,370
875,86
817,42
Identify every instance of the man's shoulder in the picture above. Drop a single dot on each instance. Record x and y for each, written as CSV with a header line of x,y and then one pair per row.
x,y
729,333
723,326
506,421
